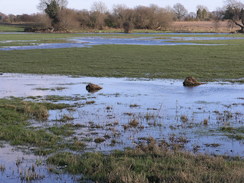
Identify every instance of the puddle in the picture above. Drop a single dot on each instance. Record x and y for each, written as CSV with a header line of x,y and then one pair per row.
x,y
99,40
16,167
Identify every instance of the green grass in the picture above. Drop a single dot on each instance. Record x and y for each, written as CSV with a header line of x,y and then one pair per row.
x,y
16,128
204,62
11,28
65,130
14,115
234,133
151,164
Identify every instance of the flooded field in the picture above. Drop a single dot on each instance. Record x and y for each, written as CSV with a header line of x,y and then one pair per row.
x,y
53,130
99,39
158,106
125,113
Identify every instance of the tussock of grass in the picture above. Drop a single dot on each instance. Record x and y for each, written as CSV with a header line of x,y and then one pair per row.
x,y
14,114
65,130
53,106
235,133
99,140
55,98
134,123
29,109
16,129
151,163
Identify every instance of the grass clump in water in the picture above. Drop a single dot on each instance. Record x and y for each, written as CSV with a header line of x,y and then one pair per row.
x,y
36,111
99,140
14,115
235,133
151,163
65,130
184,118
52,106
56,98
134,123
15,127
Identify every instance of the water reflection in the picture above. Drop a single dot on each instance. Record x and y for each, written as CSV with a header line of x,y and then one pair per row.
x,y
157,104
100,40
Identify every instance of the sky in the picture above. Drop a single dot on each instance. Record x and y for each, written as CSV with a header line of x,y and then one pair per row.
x,y
30,6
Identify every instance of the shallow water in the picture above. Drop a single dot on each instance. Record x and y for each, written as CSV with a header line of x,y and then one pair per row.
x,y
161,102
18,165
156,104
99,40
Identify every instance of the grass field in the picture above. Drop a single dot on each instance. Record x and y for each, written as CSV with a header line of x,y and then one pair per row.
x,y
152,162
204,62
11,28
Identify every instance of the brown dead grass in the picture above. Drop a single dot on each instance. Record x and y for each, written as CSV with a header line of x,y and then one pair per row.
x,y
203,26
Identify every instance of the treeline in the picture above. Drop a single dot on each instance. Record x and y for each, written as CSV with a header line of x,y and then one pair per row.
x,y
99,17
57,17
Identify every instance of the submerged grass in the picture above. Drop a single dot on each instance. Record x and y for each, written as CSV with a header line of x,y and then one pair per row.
x,y
235,133
204,62
65,130
151,163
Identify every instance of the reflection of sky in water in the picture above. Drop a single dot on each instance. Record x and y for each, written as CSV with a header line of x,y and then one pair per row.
x,y
17,164
167,100
91,41
205,38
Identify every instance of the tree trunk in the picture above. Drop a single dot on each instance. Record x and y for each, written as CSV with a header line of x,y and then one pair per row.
x,y
241,26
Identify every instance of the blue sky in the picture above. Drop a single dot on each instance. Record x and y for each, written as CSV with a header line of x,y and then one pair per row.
x,y
30,6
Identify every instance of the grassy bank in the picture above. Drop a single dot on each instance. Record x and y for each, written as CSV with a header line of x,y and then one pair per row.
x,y
151,163
204,62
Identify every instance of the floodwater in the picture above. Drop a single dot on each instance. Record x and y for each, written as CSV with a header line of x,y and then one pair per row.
x,y
157,105
18,165
100,40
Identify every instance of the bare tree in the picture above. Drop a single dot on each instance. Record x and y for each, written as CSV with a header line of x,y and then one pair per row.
x,y
180,11
142,17
99,6
123,17
191,16
235,13
68,19
152,17
11,18
84,19
98,14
